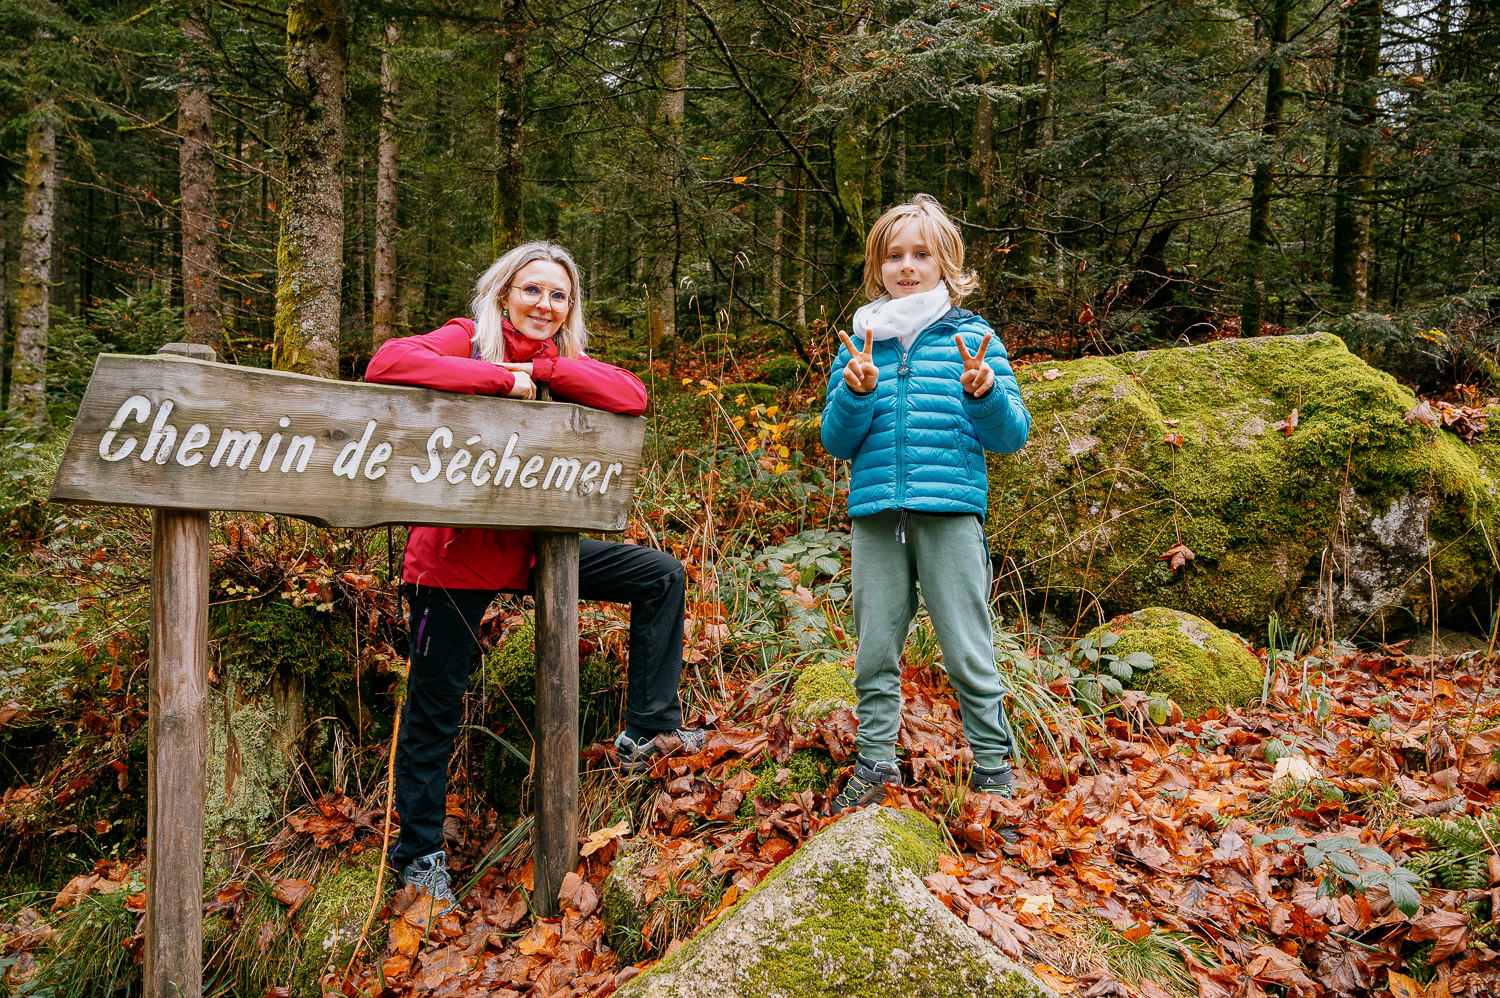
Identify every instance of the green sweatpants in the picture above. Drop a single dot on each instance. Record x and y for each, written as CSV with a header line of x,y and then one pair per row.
x,y
890,555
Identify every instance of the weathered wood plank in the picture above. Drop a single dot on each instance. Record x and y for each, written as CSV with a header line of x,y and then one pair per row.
x,y
190,434
555,802
176,746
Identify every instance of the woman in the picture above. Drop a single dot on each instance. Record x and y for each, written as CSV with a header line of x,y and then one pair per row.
x,y
527,331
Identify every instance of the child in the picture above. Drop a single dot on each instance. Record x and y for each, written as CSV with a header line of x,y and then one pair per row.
x,y
914,409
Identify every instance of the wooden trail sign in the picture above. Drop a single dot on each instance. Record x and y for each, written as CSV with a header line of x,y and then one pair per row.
x,y
184,435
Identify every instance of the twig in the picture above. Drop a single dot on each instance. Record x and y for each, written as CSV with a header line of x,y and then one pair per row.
x,y
385,844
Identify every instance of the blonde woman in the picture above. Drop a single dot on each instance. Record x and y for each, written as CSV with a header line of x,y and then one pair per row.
x,y
527,331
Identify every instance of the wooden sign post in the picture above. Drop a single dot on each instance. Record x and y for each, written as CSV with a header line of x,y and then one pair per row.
x,y
183,435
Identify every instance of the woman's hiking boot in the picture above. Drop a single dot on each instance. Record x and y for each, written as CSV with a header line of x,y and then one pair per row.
x,y
430,873
636,753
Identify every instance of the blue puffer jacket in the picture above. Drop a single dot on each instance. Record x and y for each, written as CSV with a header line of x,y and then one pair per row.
x,y
917,441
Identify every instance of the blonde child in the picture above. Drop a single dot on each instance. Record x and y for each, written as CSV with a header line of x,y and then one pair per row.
x,y
914,408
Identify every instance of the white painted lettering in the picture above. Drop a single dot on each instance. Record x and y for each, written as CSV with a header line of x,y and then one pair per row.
x,y
193,440
481,464
162,436
299,450
435,463
239,448
347,463
375,467
590,472
566,470
455,472
532,467
137,406
508,465
614,469
269,454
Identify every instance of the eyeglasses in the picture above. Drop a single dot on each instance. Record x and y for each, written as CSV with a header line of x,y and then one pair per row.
x,y
532,293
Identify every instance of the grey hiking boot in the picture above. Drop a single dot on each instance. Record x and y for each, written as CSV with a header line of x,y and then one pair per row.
x,y
1001,783
636,756
430,873
993,781
866,784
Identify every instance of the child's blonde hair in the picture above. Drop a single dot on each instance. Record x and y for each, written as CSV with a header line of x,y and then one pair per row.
x,y
938,232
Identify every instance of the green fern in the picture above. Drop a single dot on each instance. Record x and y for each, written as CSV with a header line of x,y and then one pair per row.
x,y
1457,854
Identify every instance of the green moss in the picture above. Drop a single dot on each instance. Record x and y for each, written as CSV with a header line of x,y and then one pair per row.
x,y
332,918
509,678
807,769
1089,505
821,688
745,394
1198,666
268,654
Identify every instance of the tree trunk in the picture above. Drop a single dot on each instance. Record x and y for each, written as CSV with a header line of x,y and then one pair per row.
x,y
4,286
797,252
310,255
1035,115
356,263
778,243
661,286
1261,234
508,223
28,377
387,160
982,166
195,160
1351,216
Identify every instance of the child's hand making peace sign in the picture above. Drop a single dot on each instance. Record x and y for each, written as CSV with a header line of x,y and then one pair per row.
x,y
977,377
860,374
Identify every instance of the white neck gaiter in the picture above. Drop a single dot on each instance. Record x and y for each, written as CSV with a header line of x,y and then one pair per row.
x,y
889,317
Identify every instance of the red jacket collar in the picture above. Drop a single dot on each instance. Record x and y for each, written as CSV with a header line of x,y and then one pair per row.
x,y
521,349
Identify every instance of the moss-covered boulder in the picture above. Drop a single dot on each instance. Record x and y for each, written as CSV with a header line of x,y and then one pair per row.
x,y
1338,519
509,681
822,688
846,915
1198,666
332,918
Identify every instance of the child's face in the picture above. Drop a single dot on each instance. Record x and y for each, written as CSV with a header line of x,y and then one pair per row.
x,y
910,266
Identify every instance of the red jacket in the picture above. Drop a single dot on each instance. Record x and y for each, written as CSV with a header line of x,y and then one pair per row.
x,y
468,558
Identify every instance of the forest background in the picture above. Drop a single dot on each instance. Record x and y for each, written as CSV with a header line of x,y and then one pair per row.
x,y
294,183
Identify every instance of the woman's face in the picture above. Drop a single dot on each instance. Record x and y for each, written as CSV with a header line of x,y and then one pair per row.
x,y
530,299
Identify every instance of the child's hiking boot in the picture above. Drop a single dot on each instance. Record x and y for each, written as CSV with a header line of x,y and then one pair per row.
x,y
866,784
430,873
636,753
1000,782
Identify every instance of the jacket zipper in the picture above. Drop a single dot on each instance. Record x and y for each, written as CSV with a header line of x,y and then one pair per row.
x,y
903,371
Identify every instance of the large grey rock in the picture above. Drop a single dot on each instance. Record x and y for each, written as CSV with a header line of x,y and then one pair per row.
x,y
846,915
1338,521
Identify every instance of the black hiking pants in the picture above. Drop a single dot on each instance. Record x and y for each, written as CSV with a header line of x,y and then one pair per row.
x,y
443,628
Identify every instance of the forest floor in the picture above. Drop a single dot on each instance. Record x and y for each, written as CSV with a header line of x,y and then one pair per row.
x,y
1335,840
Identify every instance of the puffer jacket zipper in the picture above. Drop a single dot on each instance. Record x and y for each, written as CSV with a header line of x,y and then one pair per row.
x,y
903,372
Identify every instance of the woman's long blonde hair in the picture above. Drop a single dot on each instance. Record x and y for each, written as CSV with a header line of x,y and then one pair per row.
x,y
489,315
938,232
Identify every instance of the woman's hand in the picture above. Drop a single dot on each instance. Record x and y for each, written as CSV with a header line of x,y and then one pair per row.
x,y
977,377
860,374
524,387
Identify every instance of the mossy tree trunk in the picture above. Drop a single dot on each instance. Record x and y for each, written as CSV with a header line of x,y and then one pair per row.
x,y
28,376
1036,114
386,172
1261,234
310,255
200,244
1360,71
508,222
